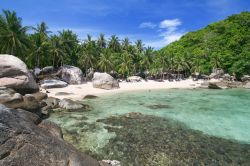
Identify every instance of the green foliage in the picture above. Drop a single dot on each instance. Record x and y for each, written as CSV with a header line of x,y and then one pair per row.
x,y
224,44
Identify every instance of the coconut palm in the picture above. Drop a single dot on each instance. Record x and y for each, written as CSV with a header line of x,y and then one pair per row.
x,y
101,42
13,37
114,43
125,64
105,62
139,46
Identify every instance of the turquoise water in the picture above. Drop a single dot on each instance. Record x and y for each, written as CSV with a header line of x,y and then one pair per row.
x,y
221,115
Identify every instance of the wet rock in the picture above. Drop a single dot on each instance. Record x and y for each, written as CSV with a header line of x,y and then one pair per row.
x,y
104,81
52,102
14,74
71,105
24,142
71,74
63,94
47,84
90,97
158,106
53,128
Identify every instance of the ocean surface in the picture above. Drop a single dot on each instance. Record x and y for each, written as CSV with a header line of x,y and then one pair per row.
x,y
163,127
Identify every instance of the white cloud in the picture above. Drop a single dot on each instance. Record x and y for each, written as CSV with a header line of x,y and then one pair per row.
x,y
147,25
168,32
170,23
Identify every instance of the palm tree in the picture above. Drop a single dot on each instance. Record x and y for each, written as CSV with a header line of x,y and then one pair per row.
x,y
105,61
139,46
57,51
125,44
40,42
114,43
101,42
13,37
125,64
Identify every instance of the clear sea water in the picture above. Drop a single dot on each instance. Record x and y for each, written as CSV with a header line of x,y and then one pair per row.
x,y
221,115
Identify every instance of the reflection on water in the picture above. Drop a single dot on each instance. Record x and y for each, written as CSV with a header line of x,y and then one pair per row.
x,y
187,126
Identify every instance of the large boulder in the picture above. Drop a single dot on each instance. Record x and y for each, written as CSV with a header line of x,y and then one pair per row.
x,y
47,84
71,74
104,81
11,99
25,141
14,74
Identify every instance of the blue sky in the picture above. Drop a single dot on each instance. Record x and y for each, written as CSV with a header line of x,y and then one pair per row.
x,y
156,22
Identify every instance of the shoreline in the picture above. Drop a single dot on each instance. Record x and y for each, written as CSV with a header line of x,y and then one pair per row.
x,y
78,92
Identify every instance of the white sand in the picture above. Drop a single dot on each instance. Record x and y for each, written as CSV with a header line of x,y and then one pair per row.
x,y
79,91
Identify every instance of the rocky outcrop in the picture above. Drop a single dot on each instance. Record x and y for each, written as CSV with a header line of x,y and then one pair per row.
x,y
215,85
12,99
14,74
71,74
25,141
134,79
47,84
104,81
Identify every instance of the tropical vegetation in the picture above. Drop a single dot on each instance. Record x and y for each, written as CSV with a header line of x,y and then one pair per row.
x,y
225,44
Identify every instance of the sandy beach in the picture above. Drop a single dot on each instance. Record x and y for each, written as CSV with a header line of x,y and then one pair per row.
x,y
77,92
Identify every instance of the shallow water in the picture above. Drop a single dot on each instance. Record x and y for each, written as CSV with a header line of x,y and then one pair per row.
x,y
215,116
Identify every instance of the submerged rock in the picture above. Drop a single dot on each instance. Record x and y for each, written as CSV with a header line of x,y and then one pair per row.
x,y
90,97
24,142
104,81
14,74
71,105
149,140
63,93
158,106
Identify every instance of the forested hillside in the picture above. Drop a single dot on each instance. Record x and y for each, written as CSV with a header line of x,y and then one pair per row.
x,y
224,44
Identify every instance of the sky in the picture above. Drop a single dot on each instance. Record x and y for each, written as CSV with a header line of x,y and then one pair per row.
x,y
156,22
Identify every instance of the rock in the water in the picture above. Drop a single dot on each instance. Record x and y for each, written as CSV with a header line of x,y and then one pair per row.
x,y
215,85
14,74
134,79
47,84
63,93
71,105
24,142
90,97
104,81
71,74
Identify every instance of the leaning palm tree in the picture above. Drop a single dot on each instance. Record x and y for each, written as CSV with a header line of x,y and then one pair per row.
x,y
13,37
